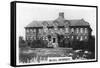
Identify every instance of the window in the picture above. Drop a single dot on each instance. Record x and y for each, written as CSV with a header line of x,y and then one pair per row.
x,y
77,37
34,37
31,31
67,30
77,30
72,37
43,38
55,28
85,37
31,37
86,30
46,38
45,29
81,38
72,30
34,30
61,30
27,31
40,30
81,30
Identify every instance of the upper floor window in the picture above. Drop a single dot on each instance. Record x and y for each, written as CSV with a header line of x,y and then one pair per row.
x,y
27,31
31,31
40,30
34,30
45,29
72,30
61,30
55,28
81,30
77,30
67,30
86,30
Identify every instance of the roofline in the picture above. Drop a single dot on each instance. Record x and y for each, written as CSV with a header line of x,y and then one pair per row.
x,y
58,26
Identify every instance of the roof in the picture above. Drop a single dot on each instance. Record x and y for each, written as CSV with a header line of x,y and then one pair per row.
x,y
79,22
60,22
39,23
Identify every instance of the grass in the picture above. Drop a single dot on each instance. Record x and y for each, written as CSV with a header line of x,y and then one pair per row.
x,y
32,55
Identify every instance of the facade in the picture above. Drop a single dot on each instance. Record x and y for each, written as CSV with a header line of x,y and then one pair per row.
x,y
58,30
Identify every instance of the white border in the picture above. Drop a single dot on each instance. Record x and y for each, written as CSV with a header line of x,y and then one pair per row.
x,y
17,49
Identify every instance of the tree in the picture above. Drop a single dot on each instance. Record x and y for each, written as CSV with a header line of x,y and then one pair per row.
x,y
21,42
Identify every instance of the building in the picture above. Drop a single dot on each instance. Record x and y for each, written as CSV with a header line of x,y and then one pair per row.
x,y
60,29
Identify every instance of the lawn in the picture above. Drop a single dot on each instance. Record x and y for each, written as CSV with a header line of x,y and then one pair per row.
x,y
28,55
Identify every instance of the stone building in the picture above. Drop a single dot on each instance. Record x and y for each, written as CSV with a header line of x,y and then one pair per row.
x,y
55,31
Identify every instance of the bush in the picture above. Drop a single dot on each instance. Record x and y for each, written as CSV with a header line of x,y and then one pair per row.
x,y
22,43
39,44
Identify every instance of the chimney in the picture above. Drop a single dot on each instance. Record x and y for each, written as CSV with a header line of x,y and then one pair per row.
x,y
61,14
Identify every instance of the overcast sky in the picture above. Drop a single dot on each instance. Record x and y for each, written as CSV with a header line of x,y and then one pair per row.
x,y
27,13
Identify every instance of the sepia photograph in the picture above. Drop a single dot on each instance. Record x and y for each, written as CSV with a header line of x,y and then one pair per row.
x,y
50,33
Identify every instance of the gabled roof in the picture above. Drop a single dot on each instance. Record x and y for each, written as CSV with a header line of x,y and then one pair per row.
x,y
39,23
60,22
79,22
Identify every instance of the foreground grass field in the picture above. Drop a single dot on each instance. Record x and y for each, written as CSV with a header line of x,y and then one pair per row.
x,y
28,55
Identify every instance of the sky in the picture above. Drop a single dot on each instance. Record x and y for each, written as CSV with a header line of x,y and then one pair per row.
x,y
26,13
